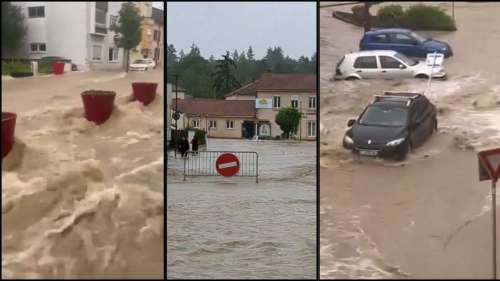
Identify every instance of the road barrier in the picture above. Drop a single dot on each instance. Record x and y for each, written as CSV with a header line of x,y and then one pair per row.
x,y
211,163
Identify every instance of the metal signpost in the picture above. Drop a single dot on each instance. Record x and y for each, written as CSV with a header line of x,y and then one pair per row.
x,y
489,169
433,59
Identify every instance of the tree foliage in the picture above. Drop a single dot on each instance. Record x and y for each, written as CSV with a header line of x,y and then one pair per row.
x,y
288,119
13,28
128,32
210,78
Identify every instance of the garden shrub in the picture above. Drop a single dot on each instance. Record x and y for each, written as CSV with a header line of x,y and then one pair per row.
x,y
421,17
390,16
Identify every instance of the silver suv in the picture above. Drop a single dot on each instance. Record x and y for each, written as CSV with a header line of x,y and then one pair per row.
x,y
384,64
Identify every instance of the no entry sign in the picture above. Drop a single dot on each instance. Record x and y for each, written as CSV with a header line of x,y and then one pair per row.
x,y
227,165
489,164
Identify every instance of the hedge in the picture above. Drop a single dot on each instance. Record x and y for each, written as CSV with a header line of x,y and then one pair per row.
x,y
416,17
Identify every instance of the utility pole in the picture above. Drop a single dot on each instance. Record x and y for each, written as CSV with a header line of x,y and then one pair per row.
x,y
176,113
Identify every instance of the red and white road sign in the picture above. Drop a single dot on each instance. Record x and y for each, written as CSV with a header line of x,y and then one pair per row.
x,y
490,161
227,165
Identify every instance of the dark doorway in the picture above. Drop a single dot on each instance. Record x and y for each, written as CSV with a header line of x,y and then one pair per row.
x,y
247,129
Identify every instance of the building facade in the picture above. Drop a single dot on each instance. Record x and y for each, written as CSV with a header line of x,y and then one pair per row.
x,y
151,45
79,31
250,112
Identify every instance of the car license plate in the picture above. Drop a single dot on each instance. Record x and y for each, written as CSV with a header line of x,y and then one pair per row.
x,y
368,152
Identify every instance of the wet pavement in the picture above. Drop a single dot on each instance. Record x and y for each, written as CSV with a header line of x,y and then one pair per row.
x,y
427,217
235,228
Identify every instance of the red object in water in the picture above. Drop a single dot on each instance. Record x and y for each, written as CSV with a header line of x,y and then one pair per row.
x,y
98,105
8,128
57,67
227,165
144,92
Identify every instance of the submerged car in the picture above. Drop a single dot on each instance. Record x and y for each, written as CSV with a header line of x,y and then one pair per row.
x,y
142,65
403,41
392,125
384,65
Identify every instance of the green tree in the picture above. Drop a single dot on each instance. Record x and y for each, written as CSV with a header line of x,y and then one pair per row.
x,y
288,119
128,30
13,28
250,54
224,80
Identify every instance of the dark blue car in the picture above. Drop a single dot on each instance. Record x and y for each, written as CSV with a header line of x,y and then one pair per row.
x,y
403,41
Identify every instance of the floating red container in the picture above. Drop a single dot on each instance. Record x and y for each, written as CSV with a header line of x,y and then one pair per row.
x,y
8,128
58,67
144,92
98,105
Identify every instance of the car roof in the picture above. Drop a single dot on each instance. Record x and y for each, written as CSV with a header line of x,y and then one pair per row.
x,y
387,30
373,52
390,103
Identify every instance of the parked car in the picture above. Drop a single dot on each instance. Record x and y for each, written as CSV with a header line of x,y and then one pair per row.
x,y
392,125
142,65
384,64
403,41
50,59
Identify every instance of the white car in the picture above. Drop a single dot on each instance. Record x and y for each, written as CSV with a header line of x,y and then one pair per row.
x,y
142,65
384,64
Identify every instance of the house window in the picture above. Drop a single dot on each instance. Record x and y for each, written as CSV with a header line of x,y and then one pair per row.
x,y
38,47
36,12
113,20
295,102
229,124
156,35
196,123
96,52
213,124
312,102
311,129
113,54
276,101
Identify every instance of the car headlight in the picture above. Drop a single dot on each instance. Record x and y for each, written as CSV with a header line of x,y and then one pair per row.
x,y
396,142
348,140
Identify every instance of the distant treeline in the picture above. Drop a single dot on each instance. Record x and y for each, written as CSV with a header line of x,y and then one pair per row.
x,y
215,77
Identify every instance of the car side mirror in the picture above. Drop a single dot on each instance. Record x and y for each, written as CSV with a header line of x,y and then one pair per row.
x,y
351,122
402,66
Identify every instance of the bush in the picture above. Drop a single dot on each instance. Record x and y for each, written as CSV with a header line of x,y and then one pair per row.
x,y
358,11
390,16
179,134
421,17
288,119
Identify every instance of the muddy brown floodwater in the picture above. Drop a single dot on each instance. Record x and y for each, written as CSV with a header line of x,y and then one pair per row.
x,y
427,217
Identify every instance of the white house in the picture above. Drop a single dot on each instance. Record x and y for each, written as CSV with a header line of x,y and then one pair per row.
x,y
79,31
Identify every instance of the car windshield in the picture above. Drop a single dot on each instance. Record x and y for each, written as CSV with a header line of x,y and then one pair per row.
x,y
384,115
420,38
406,59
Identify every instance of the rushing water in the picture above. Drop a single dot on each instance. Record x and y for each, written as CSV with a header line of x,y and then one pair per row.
x,y
381,219
235,228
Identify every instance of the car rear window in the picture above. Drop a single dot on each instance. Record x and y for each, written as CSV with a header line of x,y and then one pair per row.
x,y
366,62
380,38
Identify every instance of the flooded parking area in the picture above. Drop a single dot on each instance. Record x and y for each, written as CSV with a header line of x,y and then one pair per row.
x,y
426,217
235,228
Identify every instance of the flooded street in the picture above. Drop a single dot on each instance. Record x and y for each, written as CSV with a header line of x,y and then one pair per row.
x,y
235,228
429,216
81,200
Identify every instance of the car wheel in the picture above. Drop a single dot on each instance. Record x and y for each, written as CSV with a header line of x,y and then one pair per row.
x,y
422,76
351,78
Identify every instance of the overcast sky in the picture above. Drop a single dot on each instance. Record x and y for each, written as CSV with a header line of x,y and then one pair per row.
x,y
219,26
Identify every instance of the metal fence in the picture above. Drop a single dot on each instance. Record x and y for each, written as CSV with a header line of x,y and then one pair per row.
x,y
203,163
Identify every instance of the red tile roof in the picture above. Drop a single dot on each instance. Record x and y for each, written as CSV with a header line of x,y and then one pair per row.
x,y
279,82
216,108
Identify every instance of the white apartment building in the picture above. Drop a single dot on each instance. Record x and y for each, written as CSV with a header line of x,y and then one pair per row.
x,y
79,31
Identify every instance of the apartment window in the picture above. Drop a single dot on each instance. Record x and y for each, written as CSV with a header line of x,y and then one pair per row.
x,y
113,20
38,47
113,54
156,35
312,102
36,12
196,123
311,129
96,52
229,124
295,102
276,101
212,124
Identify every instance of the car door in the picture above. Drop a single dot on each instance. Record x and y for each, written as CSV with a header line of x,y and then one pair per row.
x,y
392,68
366,67
404,43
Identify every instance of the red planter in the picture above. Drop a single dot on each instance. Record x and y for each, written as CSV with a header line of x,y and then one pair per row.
x,y
144,92
98,105
58,67
8,128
